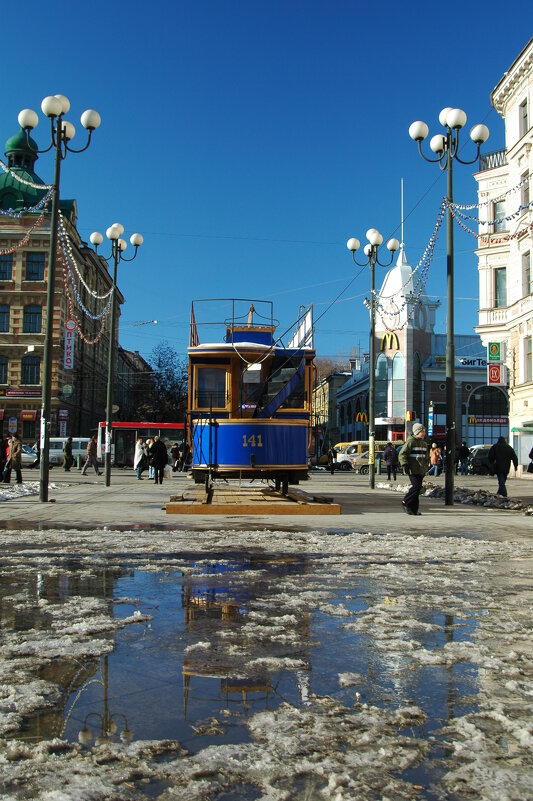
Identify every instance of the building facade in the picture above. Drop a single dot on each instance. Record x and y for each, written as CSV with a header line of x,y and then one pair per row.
x,y
410,373
326,425
505,246
80,353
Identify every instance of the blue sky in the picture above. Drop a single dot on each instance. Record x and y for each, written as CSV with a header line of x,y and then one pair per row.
x,y
247,141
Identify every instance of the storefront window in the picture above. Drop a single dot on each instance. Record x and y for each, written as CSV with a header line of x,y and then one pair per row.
x,y
398,386
381,386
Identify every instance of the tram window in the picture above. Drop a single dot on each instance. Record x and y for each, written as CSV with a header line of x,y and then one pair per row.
x,y
211,387
251,388
283,370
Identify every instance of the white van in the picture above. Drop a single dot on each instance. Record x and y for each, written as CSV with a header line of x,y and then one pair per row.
x,y
55,450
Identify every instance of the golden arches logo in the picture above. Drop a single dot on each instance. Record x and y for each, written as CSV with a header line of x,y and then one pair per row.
x,y
361,417
390,341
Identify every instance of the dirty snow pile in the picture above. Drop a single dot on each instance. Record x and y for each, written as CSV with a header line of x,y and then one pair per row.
x,y
412,657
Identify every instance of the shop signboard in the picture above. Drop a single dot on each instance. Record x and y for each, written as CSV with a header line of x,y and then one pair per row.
x,y
70,330
496,375
12,425
495,352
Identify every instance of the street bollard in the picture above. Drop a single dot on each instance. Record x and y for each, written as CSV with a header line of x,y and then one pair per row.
x,y
80,461
378,465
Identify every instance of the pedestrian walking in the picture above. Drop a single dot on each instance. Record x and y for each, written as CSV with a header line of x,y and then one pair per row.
x,y
14,460
414,460
434,460
500,457
464,455
390,457
91,459
175,454
37,449
148,450
159,459
68,458
4,449
139,458
332,460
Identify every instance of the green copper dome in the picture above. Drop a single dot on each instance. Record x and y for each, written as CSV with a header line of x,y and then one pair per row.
x,y
21,158
19,143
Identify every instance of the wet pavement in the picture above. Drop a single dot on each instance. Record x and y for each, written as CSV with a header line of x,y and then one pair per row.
x,y
237,662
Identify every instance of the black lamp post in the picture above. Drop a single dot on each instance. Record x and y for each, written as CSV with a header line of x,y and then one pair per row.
x,y
375,239
62,132
118,246
446,148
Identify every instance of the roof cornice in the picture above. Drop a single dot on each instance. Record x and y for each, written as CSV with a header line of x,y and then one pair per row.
x,y
519,69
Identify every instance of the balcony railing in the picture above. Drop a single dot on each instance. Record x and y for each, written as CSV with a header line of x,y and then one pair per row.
x,y
488,161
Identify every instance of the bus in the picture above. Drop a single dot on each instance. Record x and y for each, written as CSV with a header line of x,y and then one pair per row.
x,y
125,435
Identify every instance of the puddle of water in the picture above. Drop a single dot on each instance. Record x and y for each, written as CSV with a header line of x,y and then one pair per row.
x,y
204,663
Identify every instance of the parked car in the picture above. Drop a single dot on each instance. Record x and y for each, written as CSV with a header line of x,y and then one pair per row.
x,y
478,461
28,456
363,463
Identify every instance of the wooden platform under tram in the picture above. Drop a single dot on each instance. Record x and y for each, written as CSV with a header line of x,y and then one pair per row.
x,y
247,500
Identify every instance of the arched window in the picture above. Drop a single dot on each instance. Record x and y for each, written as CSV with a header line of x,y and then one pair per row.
x,y
381,386
3,369
31,370
33,319
398,386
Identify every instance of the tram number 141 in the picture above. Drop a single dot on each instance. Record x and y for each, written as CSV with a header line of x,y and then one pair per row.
x,y
252,440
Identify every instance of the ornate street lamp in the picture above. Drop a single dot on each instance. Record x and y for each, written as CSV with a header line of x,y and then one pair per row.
x,y
62,133
118,246
108,728
446,148
375,239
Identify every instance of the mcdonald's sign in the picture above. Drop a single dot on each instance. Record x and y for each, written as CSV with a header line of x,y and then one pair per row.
x,y
361,417
390,341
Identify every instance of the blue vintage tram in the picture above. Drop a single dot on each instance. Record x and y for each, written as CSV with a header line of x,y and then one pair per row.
x,y
250,397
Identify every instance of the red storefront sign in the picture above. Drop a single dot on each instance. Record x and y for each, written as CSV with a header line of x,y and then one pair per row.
x,y
27,416
70,330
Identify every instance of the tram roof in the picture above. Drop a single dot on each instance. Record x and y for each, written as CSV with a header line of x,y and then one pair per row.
x,y
221,347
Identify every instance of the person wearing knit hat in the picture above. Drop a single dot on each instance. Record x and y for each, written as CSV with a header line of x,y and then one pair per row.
x,y
414,460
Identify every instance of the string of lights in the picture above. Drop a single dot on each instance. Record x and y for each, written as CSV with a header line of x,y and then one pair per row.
x,y
516,188
491,239
508,218
16,215
73,315
25,239
71,259
21,180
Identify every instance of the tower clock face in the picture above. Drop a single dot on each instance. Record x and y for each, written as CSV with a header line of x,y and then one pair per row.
x,y
390,315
